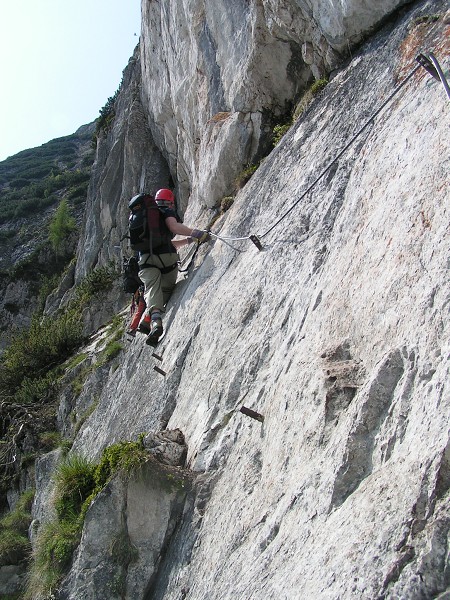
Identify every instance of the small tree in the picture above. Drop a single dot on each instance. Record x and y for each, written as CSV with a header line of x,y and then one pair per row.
x,y
61,226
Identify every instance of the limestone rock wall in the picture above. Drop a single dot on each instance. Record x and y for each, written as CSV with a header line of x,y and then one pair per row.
x,y
246,60
126,162
126,530
336,331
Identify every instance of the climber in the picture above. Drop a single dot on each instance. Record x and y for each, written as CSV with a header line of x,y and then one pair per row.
x,y
158,265
137,310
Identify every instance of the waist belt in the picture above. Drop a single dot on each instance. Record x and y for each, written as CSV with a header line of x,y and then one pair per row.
x,y
163,270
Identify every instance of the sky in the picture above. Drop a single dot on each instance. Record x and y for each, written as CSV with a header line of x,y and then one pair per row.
x,y
60,62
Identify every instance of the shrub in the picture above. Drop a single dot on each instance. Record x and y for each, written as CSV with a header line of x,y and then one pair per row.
x,y
245,176
47,285
308,97
107,114
77,482
279,131
14,544
97,281
61,226
39,390
35,353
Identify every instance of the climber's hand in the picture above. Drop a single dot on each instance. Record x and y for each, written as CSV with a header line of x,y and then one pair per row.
x,y
201,235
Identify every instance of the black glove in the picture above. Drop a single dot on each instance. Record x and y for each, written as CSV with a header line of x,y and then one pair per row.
x,y
200,235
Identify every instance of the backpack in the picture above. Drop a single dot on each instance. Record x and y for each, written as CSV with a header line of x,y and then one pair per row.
x,y
146,227
130,277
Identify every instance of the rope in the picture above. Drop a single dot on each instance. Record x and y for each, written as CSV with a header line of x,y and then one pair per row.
x,y
327,168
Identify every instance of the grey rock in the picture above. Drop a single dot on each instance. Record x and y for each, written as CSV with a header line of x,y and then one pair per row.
x,y
12,579
336,331
125,532
43,510
168,447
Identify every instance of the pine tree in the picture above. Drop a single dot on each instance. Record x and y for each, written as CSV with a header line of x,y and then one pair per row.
x,y
61,226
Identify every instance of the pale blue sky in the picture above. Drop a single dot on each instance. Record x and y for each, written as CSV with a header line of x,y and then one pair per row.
x,y
60,62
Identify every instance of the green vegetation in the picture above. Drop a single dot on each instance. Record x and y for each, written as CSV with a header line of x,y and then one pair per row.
x,y
14,544
97,281
281,129
309,96
34,354
34,357
113,346
48,283
61,226
25,196
74,361
112,349
74,482
39,177
107,114
77,482
79,381
84,416
56,541
429,18
49,440
245,176
32,366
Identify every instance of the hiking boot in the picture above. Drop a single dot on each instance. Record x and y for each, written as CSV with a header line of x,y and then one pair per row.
x,y
156,332
145,325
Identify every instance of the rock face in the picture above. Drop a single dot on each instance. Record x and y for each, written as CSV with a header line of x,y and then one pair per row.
x,y
336,332
127,528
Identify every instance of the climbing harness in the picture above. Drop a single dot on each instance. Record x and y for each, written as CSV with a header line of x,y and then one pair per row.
x,y
430,64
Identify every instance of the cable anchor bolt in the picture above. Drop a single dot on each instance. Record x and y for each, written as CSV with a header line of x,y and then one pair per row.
x,y
255,239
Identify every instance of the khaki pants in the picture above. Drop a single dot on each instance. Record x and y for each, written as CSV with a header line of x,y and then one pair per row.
x,y
158,286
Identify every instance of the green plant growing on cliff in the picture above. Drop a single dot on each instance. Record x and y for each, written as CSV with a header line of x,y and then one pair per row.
x,y
112,349
36,352
15,546
279,131
113,346
74,481
107,114
126,456
77,482
61,226
56,541
245,176
31,368
97,281
309,96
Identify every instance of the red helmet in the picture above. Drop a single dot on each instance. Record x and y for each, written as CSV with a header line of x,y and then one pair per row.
x,y
166,195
